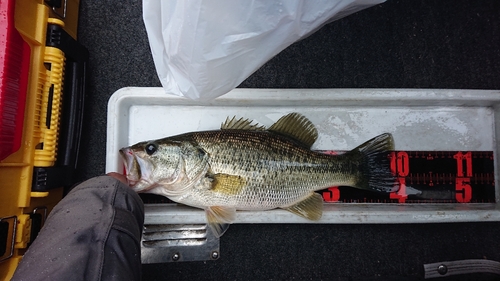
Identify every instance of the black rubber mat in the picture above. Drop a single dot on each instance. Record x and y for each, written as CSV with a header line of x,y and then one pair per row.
x,y
453,44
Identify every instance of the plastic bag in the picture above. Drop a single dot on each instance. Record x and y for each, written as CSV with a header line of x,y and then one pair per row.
x,y
204,48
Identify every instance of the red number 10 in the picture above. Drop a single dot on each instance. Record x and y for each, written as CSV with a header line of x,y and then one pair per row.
x,y
400,163
400,166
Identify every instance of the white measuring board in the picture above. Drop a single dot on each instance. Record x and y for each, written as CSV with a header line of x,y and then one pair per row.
x,y
427,120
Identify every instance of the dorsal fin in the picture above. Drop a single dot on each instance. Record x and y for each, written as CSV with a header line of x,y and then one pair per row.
x,y
240,124
296,126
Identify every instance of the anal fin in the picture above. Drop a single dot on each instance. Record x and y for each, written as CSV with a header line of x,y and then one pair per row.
x,y
219,218
310,208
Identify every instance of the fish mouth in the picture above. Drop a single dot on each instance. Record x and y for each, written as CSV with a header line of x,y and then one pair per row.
x,y
132,167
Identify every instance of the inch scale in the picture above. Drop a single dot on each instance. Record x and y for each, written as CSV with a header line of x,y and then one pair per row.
x,y
423,177
430,177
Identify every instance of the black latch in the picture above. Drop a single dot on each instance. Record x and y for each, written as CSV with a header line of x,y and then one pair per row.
x,y
61,174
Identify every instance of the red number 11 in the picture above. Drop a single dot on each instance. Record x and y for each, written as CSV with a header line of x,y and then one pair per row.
x,y
460,164
462,184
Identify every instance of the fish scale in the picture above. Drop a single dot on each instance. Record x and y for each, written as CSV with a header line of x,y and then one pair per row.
x,y
279,160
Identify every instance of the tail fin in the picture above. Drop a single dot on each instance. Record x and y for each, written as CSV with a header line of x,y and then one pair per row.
x,y
375,168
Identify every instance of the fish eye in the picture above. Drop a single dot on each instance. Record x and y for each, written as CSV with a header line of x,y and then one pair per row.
x,y
151,148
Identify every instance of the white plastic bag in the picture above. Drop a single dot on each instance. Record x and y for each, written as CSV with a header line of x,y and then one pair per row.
x,y
204,48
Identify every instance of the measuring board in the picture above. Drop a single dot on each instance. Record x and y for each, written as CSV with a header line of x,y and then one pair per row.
x,y
430,177
423,177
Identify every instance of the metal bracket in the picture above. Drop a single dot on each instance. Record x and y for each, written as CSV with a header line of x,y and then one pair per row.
x,y
38,217
64,9
181,242
41,210
9,239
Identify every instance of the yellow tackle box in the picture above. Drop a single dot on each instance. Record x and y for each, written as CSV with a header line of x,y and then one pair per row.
x,y
32,179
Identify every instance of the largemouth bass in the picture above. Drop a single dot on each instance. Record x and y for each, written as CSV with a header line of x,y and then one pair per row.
x,y
244,166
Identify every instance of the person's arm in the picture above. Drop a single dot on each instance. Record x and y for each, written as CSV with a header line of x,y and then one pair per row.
x,y
91,234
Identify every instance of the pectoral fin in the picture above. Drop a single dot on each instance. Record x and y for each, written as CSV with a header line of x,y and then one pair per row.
x,y
227,184
219,218
310,208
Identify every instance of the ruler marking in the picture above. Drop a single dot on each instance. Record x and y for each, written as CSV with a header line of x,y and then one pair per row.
x,y
440,176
